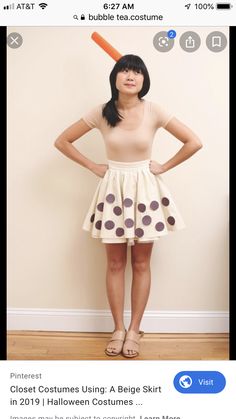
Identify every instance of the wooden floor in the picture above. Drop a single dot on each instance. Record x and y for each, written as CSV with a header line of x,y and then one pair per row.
x,y
31,345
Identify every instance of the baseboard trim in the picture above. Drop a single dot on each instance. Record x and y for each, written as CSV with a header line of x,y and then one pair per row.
x,y
101,321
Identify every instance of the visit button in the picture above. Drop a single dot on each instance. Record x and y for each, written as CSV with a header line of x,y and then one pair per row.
x,y
199,382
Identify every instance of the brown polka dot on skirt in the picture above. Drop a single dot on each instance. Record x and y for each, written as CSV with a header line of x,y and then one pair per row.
x,y
110,198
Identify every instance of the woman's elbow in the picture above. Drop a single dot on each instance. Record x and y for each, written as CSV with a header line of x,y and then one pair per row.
x,y
58,143
197,144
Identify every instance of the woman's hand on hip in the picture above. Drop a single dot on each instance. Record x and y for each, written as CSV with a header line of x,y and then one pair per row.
x,y
100,169
155,167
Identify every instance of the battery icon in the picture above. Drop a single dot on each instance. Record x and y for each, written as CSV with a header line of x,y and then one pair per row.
x,y
223,6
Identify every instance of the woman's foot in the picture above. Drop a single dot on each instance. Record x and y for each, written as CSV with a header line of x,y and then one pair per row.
x,y
131,345
116,342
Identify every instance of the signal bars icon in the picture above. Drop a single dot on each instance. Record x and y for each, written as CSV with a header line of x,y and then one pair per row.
x,y
9,6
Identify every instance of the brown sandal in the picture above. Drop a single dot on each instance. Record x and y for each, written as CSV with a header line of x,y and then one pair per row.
x,y
115,344
132,344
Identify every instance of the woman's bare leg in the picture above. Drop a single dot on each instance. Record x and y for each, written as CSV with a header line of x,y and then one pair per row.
x,y
140,260
115,276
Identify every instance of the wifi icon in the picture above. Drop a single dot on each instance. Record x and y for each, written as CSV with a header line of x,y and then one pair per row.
x,y
43,5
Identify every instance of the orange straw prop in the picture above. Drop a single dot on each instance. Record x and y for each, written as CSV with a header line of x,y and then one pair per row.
x,y
108,48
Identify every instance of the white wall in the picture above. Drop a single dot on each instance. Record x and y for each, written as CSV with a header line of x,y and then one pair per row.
x,y
55,77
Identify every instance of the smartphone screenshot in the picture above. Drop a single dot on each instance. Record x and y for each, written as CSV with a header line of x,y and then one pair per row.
x,y
117,150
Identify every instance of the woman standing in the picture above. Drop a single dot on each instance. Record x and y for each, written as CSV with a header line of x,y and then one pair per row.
x,y
132,205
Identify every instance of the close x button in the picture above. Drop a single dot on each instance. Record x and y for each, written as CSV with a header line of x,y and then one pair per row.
x,y
199,382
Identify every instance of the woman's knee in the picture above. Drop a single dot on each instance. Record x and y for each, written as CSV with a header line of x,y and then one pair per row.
x,y
140,265
140,262
141,256
116,257
116,264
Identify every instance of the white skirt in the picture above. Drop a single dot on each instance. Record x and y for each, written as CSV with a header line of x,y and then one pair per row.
x,y
131,204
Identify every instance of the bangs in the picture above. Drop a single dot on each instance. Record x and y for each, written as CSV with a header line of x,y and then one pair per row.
x,y
131,62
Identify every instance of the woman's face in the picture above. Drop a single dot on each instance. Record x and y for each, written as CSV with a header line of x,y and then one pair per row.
x,y
129,82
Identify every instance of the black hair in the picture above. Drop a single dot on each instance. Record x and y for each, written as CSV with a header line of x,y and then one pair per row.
x,y
132,62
